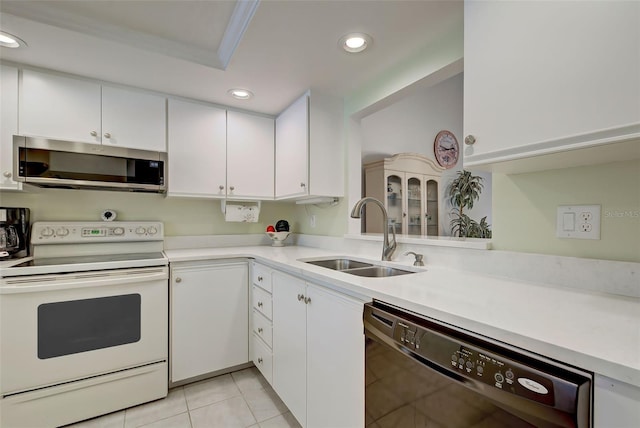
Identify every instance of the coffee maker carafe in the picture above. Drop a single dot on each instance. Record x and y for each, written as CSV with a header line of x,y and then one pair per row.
x,y
14,232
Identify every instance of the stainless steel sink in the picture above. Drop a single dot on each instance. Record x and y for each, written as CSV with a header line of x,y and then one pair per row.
x,y
355,267
339,264
378,271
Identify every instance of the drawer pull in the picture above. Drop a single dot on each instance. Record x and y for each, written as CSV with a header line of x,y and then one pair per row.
x,y
259,304
260,360
260,279
260,330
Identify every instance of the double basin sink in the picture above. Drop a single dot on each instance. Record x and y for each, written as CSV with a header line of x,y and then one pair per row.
x,y
355,267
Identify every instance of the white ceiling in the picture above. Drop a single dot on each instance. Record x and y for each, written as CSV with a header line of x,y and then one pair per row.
x,y
200,49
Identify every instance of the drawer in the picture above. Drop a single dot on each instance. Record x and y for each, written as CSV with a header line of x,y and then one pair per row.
x,y
263,358
261,276
263,328
262,302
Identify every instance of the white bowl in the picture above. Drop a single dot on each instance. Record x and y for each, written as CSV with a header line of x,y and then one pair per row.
x,y
278,238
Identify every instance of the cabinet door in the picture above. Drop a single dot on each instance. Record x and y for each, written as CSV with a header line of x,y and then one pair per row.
x,y
414,204
197,150
395,203
250,156
8,125
292,150
432,214
335,360
133,119
616,404
526,83
289,343
209,319
59,107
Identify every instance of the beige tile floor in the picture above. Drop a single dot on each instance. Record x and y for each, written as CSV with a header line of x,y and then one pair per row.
x,y
240,399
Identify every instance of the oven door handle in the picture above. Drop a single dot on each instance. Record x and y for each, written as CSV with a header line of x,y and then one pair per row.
x,y
43,283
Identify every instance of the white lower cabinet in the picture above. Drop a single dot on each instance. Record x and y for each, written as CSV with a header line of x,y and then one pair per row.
x,y
616,404
209,318
318,353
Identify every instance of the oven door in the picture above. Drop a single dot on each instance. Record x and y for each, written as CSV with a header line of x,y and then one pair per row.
x,y
60,328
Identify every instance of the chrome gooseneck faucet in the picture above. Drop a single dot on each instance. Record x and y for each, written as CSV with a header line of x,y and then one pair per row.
x,y
387,247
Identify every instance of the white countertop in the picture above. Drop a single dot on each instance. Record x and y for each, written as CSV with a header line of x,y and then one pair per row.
x,y
594,331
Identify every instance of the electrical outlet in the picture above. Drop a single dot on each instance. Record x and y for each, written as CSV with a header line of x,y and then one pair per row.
x,y
578,221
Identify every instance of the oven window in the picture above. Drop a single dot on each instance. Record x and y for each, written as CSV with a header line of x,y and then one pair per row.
x,y
75,326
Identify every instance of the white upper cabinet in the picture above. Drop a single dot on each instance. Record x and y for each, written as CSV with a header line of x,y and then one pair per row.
x,y
292,150
250,156
65,108
197,150
133,119
309,148
551,84
8,125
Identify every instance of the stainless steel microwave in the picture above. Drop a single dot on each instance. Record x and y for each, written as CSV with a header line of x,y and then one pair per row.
x,y
64,164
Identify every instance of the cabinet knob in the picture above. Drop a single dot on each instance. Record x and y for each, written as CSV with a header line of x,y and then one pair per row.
x,y
300,297
232,188
260,360
107,135
93,133
260,278
221,187
260,330
178,279
259,304
469,140
302,185
404,214
7,174
307,300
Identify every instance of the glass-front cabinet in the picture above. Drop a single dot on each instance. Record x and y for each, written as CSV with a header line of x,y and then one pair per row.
x,y
408,185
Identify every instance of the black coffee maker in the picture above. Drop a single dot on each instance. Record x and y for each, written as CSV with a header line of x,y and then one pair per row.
x,y
14,233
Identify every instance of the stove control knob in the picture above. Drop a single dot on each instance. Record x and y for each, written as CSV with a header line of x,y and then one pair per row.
x,y
63,231
152,230
140,230
499,377
118,231
47,231
509,374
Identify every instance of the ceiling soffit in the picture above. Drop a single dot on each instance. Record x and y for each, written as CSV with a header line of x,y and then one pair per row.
x,y
235,23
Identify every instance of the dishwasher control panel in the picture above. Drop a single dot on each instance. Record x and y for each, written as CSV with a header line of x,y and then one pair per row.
x,y
489,368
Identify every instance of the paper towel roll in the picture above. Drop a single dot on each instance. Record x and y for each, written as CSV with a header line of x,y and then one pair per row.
x,y
242,212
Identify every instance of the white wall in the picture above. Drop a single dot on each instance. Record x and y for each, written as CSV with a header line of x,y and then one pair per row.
x,y
411,124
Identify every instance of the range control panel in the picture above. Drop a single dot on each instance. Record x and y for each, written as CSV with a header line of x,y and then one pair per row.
x,y
475,363
86,232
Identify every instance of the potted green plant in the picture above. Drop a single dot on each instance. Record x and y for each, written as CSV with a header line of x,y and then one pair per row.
x,y
462,192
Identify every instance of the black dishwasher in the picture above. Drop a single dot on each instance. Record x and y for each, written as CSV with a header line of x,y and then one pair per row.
x,y
424,373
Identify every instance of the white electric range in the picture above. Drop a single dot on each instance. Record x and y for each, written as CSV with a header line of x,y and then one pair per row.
x,y
83,323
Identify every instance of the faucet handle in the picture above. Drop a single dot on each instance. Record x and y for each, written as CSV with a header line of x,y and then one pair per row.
x,y
419,258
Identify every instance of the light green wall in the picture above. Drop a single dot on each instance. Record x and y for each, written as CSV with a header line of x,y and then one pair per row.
x,y
524,210
181,216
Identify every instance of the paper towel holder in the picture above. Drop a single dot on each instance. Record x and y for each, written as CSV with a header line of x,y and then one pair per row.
x,y
255,205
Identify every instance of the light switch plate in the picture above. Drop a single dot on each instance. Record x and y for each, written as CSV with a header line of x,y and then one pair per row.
x,y
578,221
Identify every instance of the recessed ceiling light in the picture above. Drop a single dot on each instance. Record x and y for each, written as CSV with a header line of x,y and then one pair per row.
x,y
10,41
355,42
240,94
